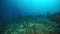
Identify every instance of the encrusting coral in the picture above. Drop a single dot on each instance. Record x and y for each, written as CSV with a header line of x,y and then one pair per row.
x,y
38,26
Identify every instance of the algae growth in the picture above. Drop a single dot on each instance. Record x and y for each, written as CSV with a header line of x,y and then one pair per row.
x,y
32,26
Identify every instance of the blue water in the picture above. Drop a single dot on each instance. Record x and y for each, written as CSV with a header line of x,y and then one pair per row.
x,y
12,8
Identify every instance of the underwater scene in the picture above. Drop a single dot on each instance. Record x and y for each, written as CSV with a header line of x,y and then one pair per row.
x,y
30,17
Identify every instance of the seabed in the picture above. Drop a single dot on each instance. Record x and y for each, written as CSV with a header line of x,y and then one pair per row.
x,y
32,26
